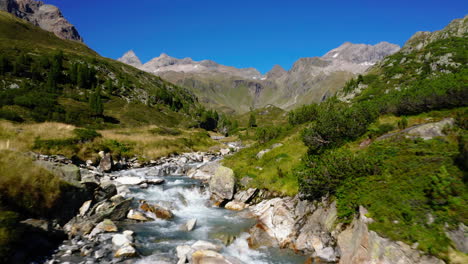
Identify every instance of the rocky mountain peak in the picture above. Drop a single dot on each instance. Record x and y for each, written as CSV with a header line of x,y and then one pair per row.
x,y
361,53
131,58
456,28
48,17
276,72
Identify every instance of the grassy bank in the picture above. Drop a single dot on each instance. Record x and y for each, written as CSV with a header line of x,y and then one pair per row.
x,y
147,142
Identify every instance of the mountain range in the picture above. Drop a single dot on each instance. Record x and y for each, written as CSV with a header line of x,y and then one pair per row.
x,y
238,90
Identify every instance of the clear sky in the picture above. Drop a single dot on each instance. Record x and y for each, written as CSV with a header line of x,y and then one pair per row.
x,y
250,33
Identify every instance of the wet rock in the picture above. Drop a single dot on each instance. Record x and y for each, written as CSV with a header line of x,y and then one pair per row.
x,y
205,245
126,251
129,180
259,237
246,196
184,253
182,199
135,215
85,207
104,192
235,206
208,257
120,240
225,238
190,225
105,226
106,163
154,181
222,183
158,211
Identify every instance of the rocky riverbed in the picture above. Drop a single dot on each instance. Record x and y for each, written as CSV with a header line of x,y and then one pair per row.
x,y
190,209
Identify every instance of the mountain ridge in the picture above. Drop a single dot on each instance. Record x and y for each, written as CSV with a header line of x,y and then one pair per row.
x,y
309,80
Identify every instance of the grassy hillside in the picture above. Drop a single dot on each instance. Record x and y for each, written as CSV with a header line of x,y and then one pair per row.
x,y
414,189
47,78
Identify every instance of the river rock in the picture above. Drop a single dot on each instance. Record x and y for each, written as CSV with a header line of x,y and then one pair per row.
x,y
190,224
85,207
222,183
246,196
135,215
130,180
154,181
235,206
225,151
158,211
205,245
120,240
67,172
184,253
106,163
105,226
208,257
126,251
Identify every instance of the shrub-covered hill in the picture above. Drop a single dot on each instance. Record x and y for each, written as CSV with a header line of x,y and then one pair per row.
x,y
356,148
44,78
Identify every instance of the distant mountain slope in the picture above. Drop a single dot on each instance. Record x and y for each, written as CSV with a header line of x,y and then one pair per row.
x,y
231,89
48,17
45,78
428,63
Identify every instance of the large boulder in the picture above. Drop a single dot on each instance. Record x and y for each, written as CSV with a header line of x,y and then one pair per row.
x,y
277,219
106,163
222,184
358,245
246,196
67,172
158,211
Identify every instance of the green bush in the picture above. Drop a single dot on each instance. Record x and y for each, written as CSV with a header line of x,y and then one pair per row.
x,y
303,114
337,123
265,134
165,131
85,134
10,115
320,175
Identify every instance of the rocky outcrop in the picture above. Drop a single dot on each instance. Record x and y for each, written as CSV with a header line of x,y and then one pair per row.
x,y
48,17
359,245
310,228
425,131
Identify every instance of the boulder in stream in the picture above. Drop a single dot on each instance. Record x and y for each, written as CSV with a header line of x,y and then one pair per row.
x,y
222,184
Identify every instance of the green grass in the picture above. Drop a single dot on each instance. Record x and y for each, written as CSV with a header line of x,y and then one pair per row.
x,y
273,170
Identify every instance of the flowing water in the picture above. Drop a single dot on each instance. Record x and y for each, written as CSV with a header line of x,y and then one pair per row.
x,y
189,199
157,240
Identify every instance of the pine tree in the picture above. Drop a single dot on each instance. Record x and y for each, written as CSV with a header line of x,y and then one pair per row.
x,y
95,102
3,65
252,120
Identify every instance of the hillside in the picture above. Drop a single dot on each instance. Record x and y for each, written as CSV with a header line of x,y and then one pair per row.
x,y
394,142
237,90
40,70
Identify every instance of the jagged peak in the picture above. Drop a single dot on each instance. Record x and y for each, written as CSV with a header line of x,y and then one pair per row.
x,y
130,58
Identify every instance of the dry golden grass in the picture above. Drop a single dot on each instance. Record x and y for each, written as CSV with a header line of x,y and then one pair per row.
x,y
143,141
20,137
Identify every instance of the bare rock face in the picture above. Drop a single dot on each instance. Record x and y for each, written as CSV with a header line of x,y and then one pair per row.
x,y
131,58
48,17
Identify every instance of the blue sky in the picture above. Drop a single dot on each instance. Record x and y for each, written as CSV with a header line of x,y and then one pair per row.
x,y
250,33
